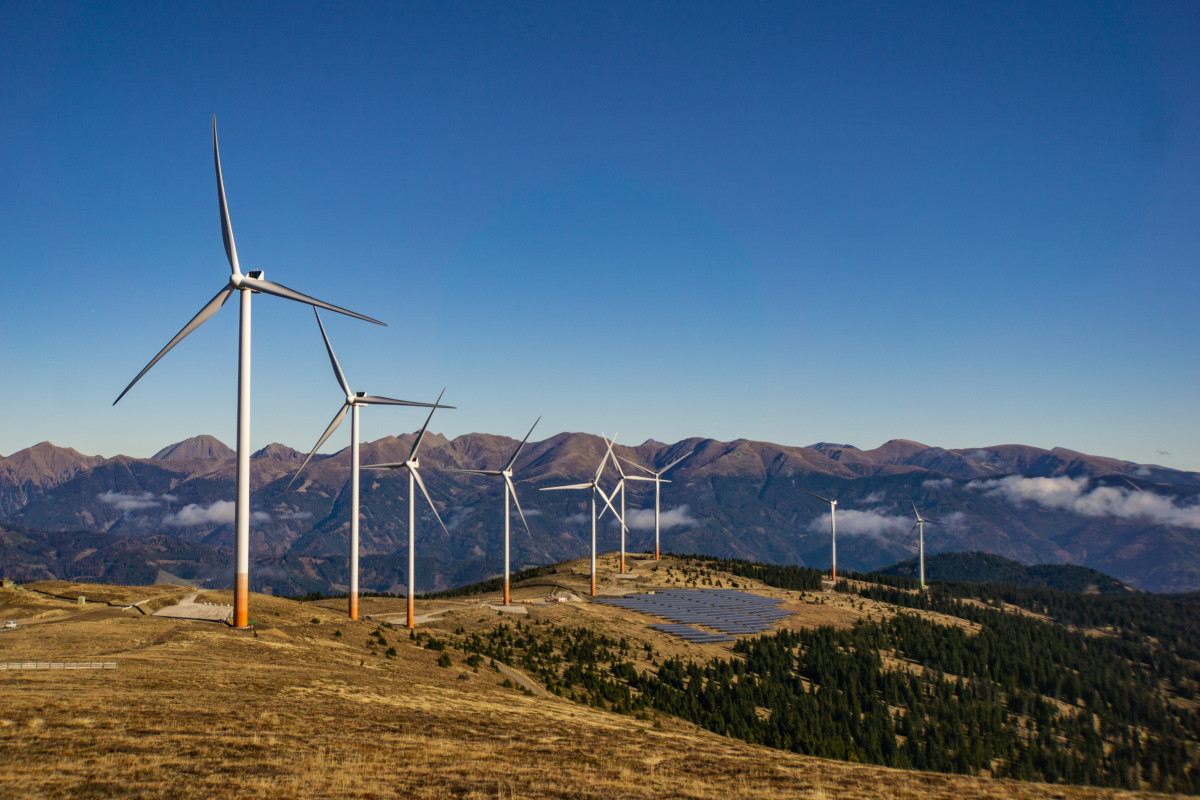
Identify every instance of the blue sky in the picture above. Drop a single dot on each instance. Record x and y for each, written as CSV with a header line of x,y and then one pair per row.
x,y
957,223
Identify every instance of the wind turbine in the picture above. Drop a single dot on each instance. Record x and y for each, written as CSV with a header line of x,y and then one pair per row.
x,y
594,485
658,481
509,491
920,524
413,464
832,524
620,487
248,284
354,401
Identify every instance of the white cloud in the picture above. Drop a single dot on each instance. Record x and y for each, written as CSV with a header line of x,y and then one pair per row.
x,y
125,503
874,497
643,519
219,513
938,483
170,498
295,515
851,522
577,519
1071,494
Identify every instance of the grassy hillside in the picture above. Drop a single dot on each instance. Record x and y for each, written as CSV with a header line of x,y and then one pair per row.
x,y
479,704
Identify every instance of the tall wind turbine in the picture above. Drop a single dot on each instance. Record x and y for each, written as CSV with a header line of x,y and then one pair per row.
x,y
413,464
248,284
920,524
354,401
832,524
509,491
658,482
594,485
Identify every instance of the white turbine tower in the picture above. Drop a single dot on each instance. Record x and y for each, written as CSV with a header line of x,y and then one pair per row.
x,y
594,485
658,482
354,401
832,524
509,491
247,284
413,464
920,525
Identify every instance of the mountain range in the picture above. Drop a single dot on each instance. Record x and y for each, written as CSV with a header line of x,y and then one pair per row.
x,y
174,511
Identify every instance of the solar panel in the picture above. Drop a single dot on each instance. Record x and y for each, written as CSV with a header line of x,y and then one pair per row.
x,y
725,610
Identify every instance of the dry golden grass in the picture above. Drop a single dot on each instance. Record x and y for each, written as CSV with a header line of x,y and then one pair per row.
x,y
293,710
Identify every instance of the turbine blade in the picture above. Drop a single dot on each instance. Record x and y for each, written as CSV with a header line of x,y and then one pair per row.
x,y
513,490
814,494
212,307
640,478
608,502
226,227
416,474
607,453
333,426
373,400
388,465
279,290
572,486
918,513
421,435
676,461
337,368
521,447
467,471
636,465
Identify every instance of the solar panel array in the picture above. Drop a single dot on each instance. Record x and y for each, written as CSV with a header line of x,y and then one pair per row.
x,y
731,612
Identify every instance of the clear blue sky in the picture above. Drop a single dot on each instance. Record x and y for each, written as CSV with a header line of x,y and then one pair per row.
x,y
961,223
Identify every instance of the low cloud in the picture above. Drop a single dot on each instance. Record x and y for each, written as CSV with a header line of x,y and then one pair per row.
x,y
1072,494
852,522
220,512
127,502
938,483
294,515
876,496
643,519
577,519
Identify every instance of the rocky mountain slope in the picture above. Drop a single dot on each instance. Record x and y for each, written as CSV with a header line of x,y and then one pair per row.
x,y
1139,523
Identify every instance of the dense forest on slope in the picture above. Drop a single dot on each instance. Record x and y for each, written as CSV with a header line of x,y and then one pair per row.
x,y
1001,693
978,567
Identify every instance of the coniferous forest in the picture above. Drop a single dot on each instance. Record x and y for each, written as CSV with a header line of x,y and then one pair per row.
x,y
1032,684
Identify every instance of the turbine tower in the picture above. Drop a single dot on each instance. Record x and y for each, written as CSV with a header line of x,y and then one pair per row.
x,y
413,464
248,284
920,524
354,401
832,524
509,491
594,485
658,481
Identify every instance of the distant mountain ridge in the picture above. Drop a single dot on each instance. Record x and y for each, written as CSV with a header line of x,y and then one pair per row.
x,y
739,499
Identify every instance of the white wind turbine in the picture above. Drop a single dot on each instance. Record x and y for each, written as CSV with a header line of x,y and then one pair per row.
x,y
594,485
248,284
509,491
354,401
920,525
832,524
620,487
658,482
413,464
